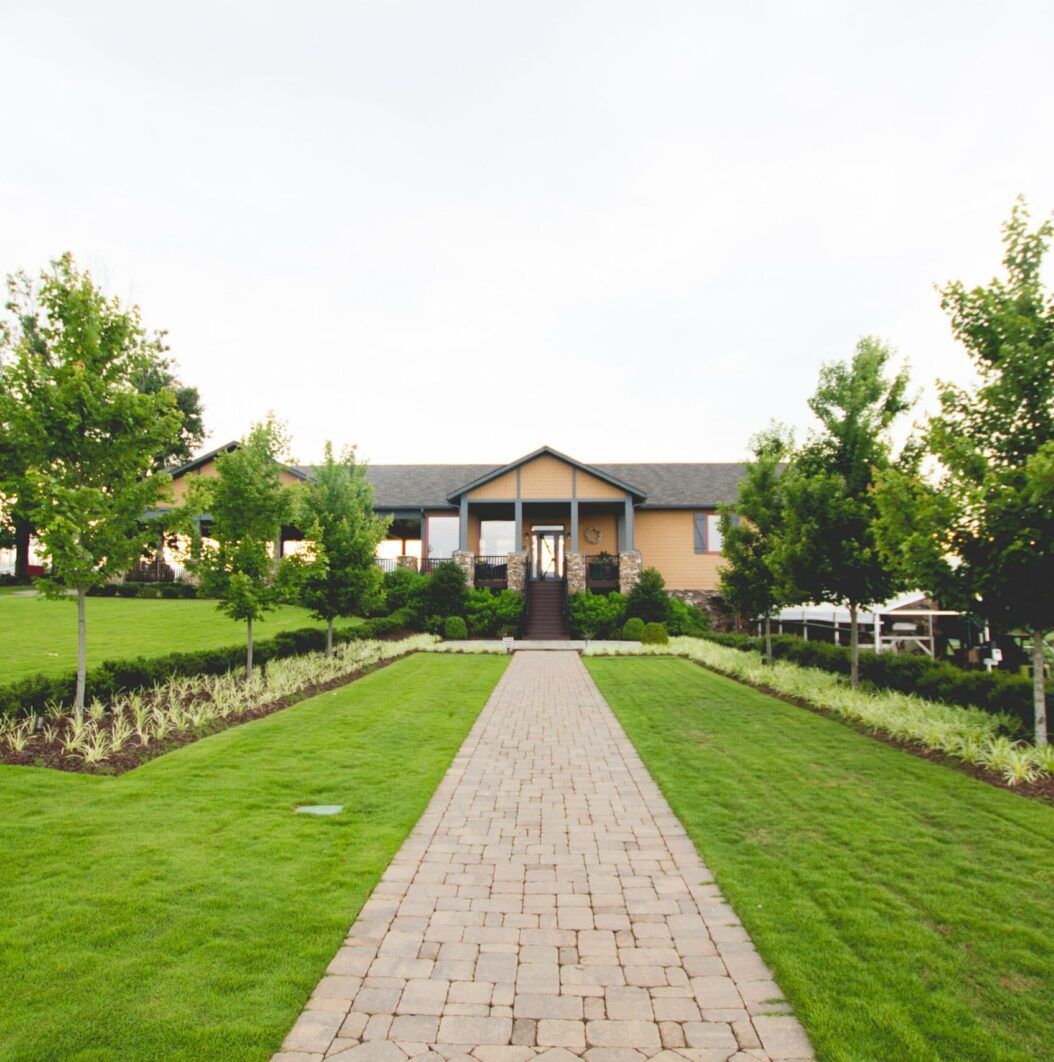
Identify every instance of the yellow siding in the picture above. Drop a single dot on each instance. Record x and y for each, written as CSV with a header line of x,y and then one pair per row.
x,y
666,540
606,524
590,487
181,486
545,477
502,487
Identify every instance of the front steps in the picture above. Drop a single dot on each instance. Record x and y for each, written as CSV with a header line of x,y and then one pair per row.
x,y
545,619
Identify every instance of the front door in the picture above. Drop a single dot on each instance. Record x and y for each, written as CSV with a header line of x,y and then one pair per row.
x,y
547,553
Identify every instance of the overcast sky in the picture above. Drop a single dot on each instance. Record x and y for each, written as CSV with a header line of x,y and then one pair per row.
x,y
459,231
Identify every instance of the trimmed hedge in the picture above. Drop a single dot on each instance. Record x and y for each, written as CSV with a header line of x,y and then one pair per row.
x,y
118,676
654,634
936,680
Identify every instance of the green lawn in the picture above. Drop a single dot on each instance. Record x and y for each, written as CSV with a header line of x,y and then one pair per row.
x,y
40,636
905,908
182,910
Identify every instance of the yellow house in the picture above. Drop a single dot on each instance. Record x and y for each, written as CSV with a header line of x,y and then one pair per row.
x,y
545,517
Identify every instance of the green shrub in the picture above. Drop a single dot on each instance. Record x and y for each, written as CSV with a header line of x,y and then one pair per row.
x,y
149,591
454,628
445,592
402,586
494,615
33,693
596,615
648,599
633,629
935,680
684,618
654,634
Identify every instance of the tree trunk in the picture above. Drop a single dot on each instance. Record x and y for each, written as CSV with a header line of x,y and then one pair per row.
x,y
854,646
249,649
329,637
768,638
82,652
1039,688
22,533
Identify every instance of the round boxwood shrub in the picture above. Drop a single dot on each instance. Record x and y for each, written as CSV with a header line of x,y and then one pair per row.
x,y
455,628
654,634
633,629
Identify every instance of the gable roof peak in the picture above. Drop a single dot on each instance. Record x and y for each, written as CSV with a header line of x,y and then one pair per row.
x,y
548,451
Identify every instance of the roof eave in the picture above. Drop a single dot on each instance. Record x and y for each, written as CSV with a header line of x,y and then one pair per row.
x,y
519,462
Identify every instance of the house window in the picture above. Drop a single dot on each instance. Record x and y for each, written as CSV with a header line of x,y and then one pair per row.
x,y
497,537
444,535
707,532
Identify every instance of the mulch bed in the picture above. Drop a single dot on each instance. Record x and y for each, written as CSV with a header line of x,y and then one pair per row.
x,y
55,757
1042,789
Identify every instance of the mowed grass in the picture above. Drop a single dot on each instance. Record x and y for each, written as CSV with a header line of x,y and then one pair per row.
x,y
40,635
182,911
905,908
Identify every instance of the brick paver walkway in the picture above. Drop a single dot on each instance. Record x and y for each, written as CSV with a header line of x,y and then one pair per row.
x,y
548,904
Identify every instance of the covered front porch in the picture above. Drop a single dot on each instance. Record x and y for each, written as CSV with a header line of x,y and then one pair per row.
x,y
500,545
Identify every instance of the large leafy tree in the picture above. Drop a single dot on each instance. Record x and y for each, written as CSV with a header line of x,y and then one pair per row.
x,y
752,580
80,437
159,376
828,548
247,504
335,512
978,531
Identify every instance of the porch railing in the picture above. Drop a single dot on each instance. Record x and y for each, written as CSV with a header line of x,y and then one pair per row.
x,y
386,564
492,571
602,571
154,570
429,564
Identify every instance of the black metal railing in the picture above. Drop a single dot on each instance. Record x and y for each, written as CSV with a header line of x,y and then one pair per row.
x,y
602,571
429,564
154,570
492,571
386,564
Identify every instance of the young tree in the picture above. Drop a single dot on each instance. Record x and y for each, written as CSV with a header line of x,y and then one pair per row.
x,y
335,512
752,580
247,504
80,435
980,532
828,548
648,599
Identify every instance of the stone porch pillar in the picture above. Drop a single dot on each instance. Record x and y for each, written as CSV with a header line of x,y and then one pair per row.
x,y
630,563
517,570
575,564
406,561
465,559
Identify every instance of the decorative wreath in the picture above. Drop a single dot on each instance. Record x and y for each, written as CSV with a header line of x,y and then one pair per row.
x,y
593,535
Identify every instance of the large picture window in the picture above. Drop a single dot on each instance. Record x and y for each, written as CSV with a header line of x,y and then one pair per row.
x,y
443,535
497,537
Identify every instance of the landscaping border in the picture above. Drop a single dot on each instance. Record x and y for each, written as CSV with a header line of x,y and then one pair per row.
x,y
53,757
31,695
1041,789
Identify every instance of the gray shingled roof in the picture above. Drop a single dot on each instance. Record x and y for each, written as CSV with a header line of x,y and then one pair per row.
x,y
682,483
666,484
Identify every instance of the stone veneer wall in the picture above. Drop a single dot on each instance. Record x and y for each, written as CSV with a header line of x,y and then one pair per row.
x,y
517,571
711,603
465,559
406,561
576,572
629,568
